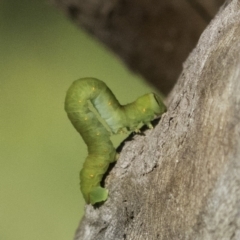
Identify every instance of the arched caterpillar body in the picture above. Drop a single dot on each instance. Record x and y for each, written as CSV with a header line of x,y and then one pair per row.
x,y
81,94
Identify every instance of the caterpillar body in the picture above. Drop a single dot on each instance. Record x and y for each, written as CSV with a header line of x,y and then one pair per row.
x,y
90,91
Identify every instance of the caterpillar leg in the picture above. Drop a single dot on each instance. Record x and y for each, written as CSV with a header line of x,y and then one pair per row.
x,y
149,125
123,130
116,156
98,194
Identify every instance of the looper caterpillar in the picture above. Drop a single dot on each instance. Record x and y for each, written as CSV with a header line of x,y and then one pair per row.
x,y
118,118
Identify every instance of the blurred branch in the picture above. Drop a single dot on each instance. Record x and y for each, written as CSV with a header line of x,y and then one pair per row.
x,y
152,38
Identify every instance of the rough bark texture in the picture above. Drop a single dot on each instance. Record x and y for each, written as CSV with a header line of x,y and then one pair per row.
x,y
182,179
152,37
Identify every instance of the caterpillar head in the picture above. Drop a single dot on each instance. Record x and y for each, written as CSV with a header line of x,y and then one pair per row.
x,y
150,105
143,111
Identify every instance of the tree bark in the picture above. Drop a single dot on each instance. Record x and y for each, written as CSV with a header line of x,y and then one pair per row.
x,y
181,180
152,37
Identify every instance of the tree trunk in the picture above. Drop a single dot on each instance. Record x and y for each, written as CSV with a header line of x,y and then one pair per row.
x,y
181,180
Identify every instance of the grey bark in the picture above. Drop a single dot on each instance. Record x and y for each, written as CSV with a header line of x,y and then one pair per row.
x,y
182,179
153,38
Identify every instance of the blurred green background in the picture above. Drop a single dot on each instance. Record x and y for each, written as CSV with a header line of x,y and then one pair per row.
x,y
41,53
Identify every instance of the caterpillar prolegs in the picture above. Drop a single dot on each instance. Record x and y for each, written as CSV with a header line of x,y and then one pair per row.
x,y
90,91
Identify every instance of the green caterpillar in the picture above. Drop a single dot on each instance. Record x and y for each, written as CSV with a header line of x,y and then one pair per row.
x,y
87,92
